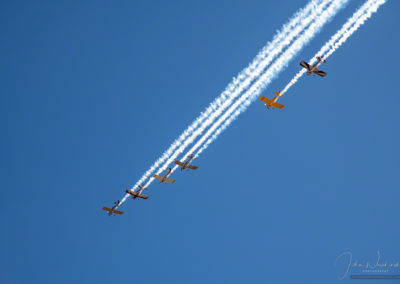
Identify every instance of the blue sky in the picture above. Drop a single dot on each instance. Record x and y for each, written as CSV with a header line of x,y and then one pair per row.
x,y
92,92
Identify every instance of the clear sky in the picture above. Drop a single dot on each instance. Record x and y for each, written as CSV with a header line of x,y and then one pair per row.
x,y
92,92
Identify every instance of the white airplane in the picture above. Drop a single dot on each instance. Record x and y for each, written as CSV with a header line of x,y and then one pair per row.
x,y
186,165
165,177
313,69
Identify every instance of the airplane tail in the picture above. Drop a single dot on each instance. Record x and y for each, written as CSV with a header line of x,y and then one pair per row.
x,y
278,93
321,59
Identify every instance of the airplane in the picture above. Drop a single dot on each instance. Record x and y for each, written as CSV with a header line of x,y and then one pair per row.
x,y
186,165
165,178
113,210
313,69
138,194
272,103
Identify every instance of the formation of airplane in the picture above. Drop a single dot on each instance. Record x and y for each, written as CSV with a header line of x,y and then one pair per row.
x,y
186,165
162,179
311,69
113,210
269,103
165,178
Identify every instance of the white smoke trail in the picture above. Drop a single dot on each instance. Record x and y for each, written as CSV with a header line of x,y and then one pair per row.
x,y
283,38
358,18
353,23
243,79
373,9
251,94
320,12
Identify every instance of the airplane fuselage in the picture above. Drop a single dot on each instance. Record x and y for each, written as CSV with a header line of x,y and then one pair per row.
x,y
139,193
186,164
314,67
112,210
164,178
277,95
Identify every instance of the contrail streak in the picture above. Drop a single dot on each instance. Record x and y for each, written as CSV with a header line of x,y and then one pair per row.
x,y
243,79
251,94
353,23
282,39
319,13
374,8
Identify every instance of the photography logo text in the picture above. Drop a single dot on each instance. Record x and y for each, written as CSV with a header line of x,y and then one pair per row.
x,y
375,268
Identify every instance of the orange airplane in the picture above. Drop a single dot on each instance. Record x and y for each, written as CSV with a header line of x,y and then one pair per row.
x,y
272,103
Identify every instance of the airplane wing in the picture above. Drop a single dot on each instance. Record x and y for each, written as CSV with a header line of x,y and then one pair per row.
x,y
305,65
278,105
112,211
157,177
169,180
178,163
106,209
142,196
265,100
319,72
193,167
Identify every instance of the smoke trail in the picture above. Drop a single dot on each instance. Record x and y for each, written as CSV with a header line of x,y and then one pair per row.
x,y
252,93
216,114
373,9
285,34
283,38
358,18
353,23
